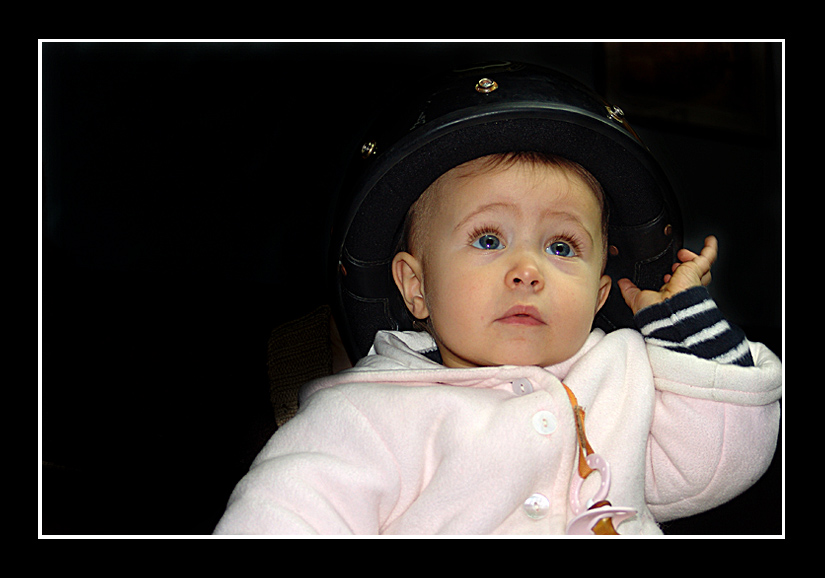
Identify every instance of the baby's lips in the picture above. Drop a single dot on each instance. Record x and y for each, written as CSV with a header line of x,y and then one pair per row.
x,y
523,314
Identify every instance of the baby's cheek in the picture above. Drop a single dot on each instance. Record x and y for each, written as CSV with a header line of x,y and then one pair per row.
x,y
577,314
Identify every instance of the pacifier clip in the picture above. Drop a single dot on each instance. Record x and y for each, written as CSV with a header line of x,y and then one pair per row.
x,y
596,516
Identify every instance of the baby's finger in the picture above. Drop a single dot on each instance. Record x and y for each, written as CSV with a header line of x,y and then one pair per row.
x,y
704,260
684,256
711,249
630,292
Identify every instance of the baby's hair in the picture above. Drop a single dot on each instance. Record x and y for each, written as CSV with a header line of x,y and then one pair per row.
x,y
421,210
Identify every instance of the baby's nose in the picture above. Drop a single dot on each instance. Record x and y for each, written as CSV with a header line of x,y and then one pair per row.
x,y
525,275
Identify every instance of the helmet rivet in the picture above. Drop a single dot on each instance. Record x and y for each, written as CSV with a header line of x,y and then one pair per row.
x,y
668,230
615,113
367,149
613,249
486,85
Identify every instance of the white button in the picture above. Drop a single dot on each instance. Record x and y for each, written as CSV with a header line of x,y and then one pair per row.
x,y
544,422
522,387
537,506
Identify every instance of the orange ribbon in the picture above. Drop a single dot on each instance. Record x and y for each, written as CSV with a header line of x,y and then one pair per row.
x,y
605,525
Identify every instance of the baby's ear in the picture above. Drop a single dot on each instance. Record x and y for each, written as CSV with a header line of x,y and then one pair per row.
x,y
604,291
408,276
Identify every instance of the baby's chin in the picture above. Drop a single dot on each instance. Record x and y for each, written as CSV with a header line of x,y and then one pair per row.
x,y
538,361
517,357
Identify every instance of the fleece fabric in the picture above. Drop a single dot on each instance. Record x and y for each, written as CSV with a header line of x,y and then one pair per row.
x,y
402,445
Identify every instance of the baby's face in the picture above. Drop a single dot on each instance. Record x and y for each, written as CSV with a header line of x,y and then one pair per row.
x,y
511,269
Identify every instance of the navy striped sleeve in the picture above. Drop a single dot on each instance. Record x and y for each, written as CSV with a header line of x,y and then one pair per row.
x,y
690,322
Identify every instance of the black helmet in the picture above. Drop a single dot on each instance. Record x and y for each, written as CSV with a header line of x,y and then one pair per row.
x,y
474,112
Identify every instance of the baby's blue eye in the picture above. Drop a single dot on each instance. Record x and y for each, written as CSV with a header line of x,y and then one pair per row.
x,y
487,242
561,249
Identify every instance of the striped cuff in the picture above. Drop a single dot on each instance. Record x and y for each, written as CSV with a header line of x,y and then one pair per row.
x,y
690,322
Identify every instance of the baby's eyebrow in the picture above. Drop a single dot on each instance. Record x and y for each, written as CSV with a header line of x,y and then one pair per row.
x,y
549,213
567,216
489,207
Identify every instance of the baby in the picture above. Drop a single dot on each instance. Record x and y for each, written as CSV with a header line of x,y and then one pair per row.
x,y
513,249
509,414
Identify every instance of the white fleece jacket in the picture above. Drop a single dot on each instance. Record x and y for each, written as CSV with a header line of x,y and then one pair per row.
x,y
401,445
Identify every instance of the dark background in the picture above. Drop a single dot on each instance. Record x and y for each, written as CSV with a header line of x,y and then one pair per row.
x,y
186,196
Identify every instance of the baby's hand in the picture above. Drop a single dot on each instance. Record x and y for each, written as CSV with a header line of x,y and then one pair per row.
x,y
693,271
